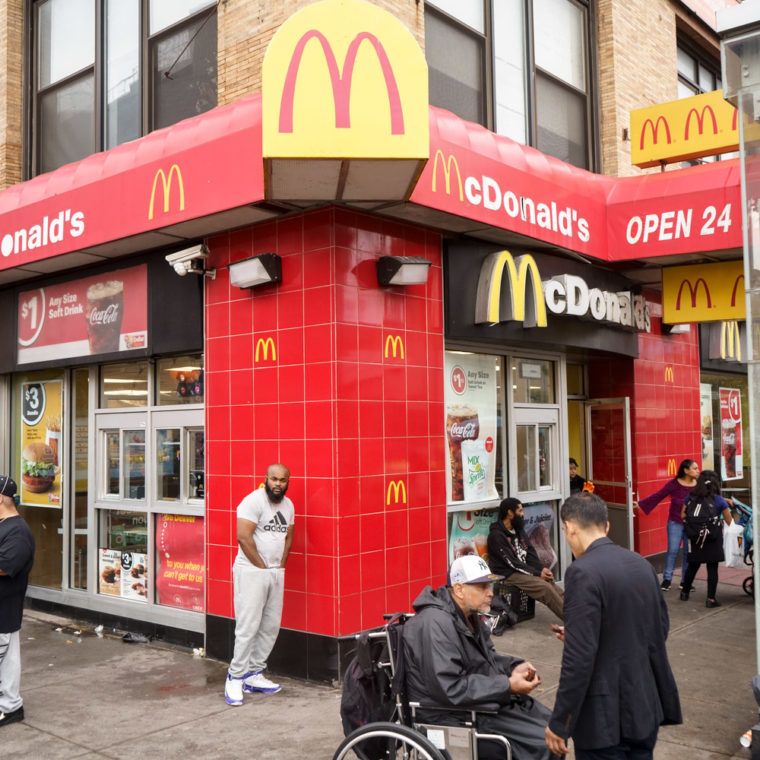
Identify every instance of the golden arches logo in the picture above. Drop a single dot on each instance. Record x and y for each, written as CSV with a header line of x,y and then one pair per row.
x,y
394,343
693,290
672,468
730,340
398,489
263,345
166,188
655,127
518,272
446,167
669,374
700,116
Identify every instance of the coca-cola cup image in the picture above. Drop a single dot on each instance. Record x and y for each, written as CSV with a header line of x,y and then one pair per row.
x,y
103,311
728,447
461,425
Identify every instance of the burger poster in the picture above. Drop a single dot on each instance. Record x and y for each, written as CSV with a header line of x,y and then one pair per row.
x,y
104,314
41,449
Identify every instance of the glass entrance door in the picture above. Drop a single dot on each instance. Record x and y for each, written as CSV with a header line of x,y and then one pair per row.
x,y
608,440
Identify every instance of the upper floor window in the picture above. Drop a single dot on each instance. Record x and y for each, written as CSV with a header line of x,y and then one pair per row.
x,y
519,67
697,73
109,71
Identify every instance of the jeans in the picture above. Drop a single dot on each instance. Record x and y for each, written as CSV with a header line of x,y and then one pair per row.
x,y
626,750
676,539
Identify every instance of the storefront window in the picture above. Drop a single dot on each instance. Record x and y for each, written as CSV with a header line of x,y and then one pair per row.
x,y
112,462
544,456
196,448
133,459
180,380
167,464
532,381
80,450
123,558
525,436
124,385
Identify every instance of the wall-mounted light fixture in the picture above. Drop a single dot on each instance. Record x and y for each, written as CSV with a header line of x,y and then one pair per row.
x,y
402,270
191,260
257,270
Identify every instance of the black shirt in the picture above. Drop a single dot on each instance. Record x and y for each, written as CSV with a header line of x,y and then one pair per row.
x,y
16,560
576,483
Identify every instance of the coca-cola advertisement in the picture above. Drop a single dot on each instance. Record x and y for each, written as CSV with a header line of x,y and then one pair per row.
x,y
470,427
104,314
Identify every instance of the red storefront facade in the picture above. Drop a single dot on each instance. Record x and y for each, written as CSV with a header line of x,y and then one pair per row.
x,y
343,379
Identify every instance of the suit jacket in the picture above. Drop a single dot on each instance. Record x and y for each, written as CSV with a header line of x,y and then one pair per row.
x,y
616,680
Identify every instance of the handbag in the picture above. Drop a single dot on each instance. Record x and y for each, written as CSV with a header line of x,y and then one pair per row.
x,y
733,547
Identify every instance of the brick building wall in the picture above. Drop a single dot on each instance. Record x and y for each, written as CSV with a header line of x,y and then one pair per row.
x,y
11,91
245,29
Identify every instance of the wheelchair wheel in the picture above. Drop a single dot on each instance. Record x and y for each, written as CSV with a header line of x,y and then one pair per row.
x,y
386,741
749,586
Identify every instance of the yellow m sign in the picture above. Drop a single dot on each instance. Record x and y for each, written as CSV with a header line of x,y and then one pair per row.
x,y
672,469
520,273
394,343
669,374
263,345
730,340
166,188
447,166
398,489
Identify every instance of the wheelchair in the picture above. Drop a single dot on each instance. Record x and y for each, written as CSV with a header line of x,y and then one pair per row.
x,y
405,736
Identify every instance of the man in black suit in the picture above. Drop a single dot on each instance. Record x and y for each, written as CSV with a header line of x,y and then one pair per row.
x,y
616,687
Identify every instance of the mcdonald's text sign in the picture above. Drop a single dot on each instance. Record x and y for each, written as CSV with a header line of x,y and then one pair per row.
x,y
703,292
703,125
344,79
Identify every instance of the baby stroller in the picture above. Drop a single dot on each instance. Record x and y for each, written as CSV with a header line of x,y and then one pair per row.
x,y
745,520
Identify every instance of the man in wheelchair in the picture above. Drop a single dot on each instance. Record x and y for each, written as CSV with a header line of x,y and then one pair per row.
x,y
451,662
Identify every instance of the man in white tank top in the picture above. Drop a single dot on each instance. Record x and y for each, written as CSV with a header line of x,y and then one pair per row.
x,y
265,534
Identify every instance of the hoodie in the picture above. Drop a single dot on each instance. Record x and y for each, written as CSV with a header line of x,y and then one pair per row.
x,y
511,552
447,663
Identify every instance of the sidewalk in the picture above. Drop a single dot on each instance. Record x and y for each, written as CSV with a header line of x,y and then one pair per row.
x,y
91,697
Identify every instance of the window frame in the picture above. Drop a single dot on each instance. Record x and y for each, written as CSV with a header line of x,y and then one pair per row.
x,y
146,45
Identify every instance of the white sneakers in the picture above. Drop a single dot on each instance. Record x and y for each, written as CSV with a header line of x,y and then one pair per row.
x,y
233,690
251,682
259,682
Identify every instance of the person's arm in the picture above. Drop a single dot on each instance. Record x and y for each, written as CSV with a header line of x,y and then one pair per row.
x,y
245,530
650,502
583,624
2,572
288,544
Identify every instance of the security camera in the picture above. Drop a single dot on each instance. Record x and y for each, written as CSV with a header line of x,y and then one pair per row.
x,y
191,259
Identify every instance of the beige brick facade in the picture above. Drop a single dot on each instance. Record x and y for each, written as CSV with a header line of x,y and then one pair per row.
x,y
245,28
11,91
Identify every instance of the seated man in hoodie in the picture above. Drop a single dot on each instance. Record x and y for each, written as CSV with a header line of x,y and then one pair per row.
x,y
451,662
511,554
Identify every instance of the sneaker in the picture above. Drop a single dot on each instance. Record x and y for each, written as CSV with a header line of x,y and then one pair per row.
x,y
259,682
665,585
684,596
689,590
233,691
11,717
712,603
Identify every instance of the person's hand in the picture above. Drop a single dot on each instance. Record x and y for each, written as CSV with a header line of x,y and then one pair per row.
x,y
555,743
547,574
524,679
559,631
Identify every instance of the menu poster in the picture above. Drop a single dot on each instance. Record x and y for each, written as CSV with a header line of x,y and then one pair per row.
x,y
109,572
706,425
41,449
730,434
468,533
538,526
470,397
134,576
181,572
103,314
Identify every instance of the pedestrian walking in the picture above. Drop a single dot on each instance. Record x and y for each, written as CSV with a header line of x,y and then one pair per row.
x,y
265,521
678,489
16,560
702,522
616,687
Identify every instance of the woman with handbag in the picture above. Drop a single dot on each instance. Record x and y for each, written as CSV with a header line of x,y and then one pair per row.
x,y
701,515
678,489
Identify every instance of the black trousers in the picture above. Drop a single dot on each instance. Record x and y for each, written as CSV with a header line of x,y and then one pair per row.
x,y
712,577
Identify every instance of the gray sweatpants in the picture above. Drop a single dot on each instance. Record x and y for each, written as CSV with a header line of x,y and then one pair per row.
x,y
10,672
258,611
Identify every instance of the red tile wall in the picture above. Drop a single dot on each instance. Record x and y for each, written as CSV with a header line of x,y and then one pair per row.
x,y
360,428
663,384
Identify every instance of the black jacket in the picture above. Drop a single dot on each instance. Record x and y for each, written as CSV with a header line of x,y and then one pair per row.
x,y
502,556
616,680
446,663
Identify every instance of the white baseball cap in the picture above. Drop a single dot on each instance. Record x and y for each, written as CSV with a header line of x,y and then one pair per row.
x,y
471,569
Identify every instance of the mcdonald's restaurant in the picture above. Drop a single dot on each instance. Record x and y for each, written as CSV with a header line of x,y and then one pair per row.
x,y
415,315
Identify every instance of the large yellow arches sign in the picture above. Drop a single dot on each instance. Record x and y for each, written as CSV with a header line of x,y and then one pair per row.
x,y
344,79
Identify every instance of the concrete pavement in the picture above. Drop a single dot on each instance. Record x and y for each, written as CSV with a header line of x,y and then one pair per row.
x,y
91,697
